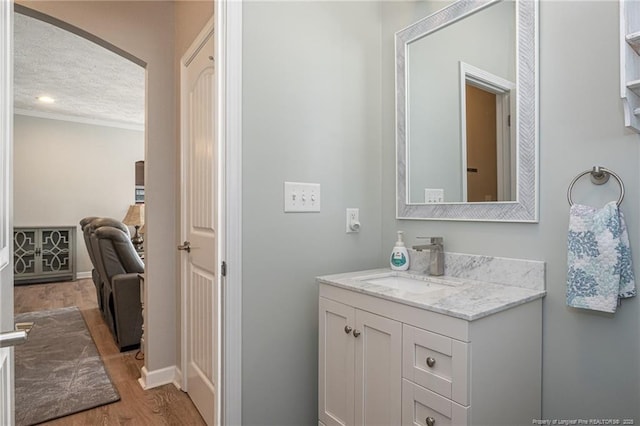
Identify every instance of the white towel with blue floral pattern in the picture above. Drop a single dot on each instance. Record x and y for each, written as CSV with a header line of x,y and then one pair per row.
x,y
599,256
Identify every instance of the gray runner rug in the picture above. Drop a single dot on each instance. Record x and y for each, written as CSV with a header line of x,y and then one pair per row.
x,y
58,370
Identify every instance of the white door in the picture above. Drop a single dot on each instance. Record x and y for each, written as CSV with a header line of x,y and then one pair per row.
x,y
378,374
200,278
336,363
6,270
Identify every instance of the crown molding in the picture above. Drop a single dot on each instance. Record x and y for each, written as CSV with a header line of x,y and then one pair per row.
x,y
82,120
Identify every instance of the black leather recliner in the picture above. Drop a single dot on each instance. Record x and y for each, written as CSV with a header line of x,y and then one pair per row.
x,y
119,266
88,226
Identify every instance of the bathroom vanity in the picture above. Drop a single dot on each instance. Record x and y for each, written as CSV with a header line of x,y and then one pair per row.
x,y
404,348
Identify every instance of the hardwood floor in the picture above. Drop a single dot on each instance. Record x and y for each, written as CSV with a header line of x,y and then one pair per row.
x,y
165,405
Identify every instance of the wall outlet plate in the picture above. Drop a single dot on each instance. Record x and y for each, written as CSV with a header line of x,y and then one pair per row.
x,y
301,197
353,220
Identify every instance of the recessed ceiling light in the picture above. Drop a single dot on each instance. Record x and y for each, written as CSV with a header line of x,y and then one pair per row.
x,y
46,99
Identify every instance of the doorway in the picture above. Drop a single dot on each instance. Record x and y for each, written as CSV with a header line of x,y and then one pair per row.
x,y
160,171
487,133
201,220
74,157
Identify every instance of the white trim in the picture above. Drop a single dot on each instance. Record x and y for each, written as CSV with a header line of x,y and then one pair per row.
x,y
228,18
83,275
183,229
198,43
4,257
82,120
6,144
177,380
155,378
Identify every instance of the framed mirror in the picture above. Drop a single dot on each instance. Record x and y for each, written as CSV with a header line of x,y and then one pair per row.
x,y
467,113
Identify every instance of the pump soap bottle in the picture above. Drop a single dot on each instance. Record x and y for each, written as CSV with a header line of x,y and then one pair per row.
x,y
399,255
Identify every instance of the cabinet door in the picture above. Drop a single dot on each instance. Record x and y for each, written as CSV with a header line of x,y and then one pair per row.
x,y
25,245
378,370
336,363
56,251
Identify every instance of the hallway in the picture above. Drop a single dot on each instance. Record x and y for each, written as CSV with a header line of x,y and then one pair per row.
x,y
165,405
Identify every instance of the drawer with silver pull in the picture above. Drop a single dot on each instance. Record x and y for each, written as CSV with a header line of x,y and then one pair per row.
x,y
421,407
436,362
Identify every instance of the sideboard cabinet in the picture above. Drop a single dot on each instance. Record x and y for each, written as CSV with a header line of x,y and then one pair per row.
x,y
43,254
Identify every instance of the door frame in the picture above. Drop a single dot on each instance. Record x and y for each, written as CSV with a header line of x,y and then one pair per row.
x,y
228,48
227,21
7,380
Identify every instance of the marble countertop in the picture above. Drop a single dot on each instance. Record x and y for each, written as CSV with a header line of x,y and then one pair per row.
x,y
463,298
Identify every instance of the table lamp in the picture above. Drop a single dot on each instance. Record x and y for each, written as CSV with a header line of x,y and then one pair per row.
x,y
135,218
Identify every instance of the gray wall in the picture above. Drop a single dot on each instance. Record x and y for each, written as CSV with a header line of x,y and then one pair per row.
x,y
311,113
591,361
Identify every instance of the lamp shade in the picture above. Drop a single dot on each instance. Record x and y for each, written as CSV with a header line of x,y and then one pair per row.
x,y
135,215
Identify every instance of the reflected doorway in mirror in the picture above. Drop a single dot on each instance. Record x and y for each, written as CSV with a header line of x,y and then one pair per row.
x,y
487,109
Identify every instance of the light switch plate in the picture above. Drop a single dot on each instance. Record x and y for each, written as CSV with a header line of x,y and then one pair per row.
x,y
433,195
301,197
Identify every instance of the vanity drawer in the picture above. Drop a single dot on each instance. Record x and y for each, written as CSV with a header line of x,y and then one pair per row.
x,y
421,407
437,362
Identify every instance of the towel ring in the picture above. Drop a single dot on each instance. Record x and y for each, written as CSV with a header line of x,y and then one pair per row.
x,y
599,176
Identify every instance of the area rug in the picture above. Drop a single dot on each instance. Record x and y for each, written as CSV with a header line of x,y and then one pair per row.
x,y
58,370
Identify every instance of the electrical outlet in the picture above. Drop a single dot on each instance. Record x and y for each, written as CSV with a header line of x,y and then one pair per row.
x,y
353,220
301,197
434,195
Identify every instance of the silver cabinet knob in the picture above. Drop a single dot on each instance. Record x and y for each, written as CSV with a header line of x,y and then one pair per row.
x,y
356,333
430,421
347,329
186,246
431,361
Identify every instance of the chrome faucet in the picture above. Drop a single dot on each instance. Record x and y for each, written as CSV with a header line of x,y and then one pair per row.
x,y
436,254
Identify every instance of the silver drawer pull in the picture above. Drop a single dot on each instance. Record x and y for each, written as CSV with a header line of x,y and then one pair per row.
x,y
431,361
347,329
356,333
431,421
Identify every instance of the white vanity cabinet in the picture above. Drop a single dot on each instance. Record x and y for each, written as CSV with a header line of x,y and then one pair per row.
x,y
382,362
360,366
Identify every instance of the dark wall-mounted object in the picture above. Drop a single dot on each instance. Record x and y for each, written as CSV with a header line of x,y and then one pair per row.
x,y
139,182
139,173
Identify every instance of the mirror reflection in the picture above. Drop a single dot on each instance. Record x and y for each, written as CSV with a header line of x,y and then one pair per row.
x,y
461,97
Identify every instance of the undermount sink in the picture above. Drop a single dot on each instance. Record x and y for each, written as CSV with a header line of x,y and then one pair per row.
x,y
408,282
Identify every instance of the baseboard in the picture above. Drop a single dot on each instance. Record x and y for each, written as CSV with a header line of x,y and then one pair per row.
x,y
83,275
177,380
155,378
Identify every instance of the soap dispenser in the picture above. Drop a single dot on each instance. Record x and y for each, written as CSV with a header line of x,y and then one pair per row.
x,y
399,255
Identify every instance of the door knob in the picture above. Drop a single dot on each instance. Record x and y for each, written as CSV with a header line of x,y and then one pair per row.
x,y
431,361
430,421
356,333
347,329
16,337
186,246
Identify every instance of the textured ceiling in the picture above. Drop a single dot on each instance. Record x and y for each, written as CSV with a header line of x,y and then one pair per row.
x,y
86,80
